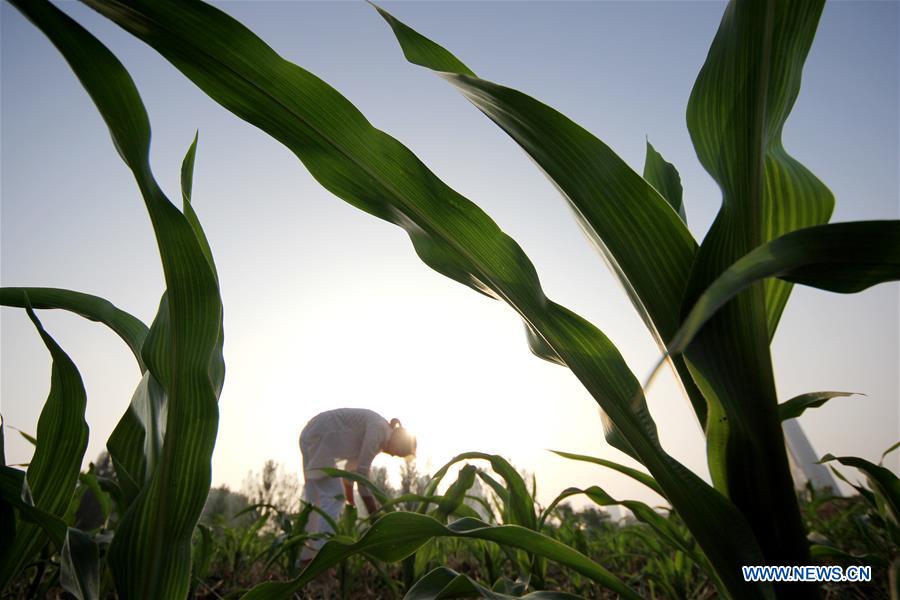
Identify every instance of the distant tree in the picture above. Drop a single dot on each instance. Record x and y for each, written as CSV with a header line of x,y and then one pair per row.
x,y
412,482
273,486
222,505
379,476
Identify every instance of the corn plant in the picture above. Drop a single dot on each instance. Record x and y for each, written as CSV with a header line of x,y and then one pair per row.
x,y
162,446
712,306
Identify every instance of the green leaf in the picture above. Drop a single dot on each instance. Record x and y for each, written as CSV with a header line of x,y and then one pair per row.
x,y
135,444
883,483
889,450
377,492
150,556
79,566
447,583
28,437
664,177
642,238
399,534
838,257
635,474
663,527
456,493
62,436
15,494
518,502
795,407
217,364
129,328
736,114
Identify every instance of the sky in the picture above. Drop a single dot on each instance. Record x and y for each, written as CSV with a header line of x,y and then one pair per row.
x,y
326,306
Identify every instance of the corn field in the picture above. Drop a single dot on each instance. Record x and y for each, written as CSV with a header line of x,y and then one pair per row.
x,y
711,305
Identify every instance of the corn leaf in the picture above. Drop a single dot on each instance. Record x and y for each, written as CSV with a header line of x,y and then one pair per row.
x,y
26,436
136,443
796,406
838,257
62,436
641,237
736,115
446,583
518,503
455,494
399,534
882,482
150,556
889,450
635,474
377,492
129,328
137,438
664,177
79,569
375,173
644,513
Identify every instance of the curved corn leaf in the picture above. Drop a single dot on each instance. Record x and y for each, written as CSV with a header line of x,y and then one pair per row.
x,y
736,114
838,257
518,503
664,528
635,474
79,568
135,445
863,492
889,450
796,406
15,494
62,436
399,534
150,556
640,236
664,177
375,173
447,583
377,492
882,482
217,364
136,439
129,328
456,493
27,436
496,486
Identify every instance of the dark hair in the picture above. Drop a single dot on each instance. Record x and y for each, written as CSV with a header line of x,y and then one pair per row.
x,y
395,424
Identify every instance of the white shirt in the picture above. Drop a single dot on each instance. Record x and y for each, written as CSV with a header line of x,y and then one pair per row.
x,y
356,435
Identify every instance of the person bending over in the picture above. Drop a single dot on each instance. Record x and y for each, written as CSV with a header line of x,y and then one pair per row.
x,y
356,435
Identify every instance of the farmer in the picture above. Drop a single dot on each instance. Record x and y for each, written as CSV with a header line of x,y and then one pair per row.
x,y
356,435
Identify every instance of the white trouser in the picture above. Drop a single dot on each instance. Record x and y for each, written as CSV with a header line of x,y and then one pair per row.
x,y
327,493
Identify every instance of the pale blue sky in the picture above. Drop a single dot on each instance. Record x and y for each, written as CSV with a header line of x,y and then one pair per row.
x,y
326,306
